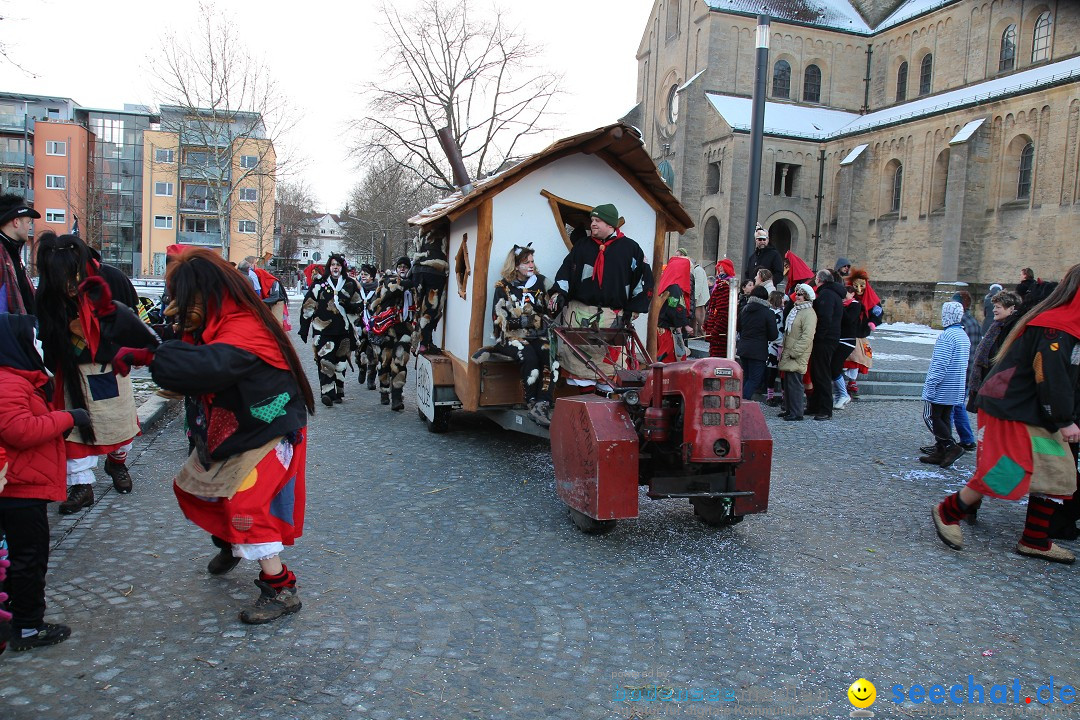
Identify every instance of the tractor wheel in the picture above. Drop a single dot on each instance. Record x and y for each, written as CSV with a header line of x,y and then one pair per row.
x,y
589,525
714,512
440,424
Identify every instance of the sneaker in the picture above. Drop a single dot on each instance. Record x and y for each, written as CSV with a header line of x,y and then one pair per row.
x,y
951,455
540,413
79,497
951,535
121,478
223,562
271,604
1056,553
839,404
47,634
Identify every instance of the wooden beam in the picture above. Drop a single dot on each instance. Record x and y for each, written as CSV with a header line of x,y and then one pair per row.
x,y
597,144
657,267
470,398
554,200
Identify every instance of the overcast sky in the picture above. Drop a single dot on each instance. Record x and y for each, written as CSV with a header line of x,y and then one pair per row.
x,y
320,52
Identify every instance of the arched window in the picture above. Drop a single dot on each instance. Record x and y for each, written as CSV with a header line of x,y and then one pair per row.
x,y
1007,56
926,74
781,79
897,188
713,175
672,18
1040,41
1023,180
901,82
710,253
812,84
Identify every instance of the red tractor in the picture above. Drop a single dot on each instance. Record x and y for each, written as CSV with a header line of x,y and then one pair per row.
x,y
681,429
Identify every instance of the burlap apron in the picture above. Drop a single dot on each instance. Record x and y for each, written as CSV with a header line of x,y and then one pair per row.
x,y
862,355
220,479
111,404
578,314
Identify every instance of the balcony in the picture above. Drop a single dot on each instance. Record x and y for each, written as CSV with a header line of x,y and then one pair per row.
x,y
206,173
194,138
21,192
14,123
12,158
201,238
194,206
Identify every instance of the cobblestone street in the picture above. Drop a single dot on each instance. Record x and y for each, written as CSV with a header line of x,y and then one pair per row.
x,y
442,578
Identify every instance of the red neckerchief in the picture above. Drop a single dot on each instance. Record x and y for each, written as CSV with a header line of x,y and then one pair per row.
x,y
87,318
598,266
233,324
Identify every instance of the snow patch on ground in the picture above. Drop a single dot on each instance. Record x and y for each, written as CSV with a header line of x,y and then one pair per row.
x,y
895,358
906,332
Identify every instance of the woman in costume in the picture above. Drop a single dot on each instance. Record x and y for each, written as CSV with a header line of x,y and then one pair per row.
x,y
366,356
331,309
675,314
247,401
861,360
76,350
716,312
1028,407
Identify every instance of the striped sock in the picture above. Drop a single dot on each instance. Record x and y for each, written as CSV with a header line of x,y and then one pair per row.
x,y
952,509
1040,510
118,456
284,579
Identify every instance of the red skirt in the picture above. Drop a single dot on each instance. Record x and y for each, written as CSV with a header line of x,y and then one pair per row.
x,y
268,508
1015,459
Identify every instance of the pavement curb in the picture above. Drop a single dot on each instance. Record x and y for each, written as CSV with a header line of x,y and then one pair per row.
x,y
154,409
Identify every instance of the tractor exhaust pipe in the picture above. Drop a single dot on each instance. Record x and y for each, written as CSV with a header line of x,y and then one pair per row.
x,y
656,426
453,154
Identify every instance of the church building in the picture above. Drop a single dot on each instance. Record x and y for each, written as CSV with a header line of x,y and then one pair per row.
x,y
929,141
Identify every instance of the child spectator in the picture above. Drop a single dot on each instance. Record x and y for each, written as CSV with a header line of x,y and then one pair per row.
x,y
675,317
944,387
32,437
772,372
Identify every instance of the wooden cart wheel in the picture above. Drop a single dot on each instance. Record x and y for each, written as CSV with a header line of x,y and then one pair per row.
x,y
590,525
714,512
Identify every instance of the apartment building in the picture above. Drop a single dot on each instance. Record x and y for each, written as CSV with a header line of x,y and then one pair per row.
x,y
208,180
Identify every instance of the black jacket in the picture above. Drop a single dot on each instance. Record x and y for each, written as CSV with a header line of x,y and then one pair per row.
x,y
235,401
829,308
769,258
757,328
850,321
1036,382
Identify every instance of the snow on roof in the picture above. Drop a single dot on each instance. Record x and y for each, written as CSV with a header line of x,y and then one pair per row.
x,y
837,14
967,131
833,14
687,83
818,123
782,118
854,154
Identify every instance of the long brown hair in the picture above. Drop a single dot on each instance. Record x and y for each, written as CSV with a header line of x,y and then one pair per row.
x,y
1063,294
199,272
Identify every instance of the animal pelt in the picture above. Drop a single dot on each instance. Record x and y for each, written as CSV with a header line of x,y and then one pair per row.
x,y
431,256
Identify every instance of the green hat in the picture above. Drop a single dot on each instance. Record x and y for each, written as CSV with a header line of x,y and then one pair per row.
x,y
607,213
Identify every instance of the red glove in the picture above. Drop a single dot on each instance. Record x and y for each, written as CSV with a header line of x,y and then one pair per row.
x,y
98,293
129,357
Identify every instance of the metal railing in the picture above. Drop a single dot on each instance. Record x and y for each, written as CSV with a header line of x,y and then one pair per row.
x,y
203,205
16,122
200,238
209,173
16,158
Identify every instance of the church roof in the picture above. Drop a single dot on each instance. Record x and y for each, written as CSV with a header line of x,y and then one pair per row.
x,y
832,14
818,123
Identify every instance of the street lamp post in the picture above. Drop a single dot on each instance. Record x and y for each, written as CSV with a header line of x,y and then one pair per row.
x,y
757,132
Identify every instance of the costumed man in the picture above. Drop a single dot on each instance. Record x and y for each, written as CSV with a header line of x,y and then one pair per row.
x,y
77,345
764,256
246,402
331,311
796,272
674,321
861,358
366,356
716,312
16,292
520,314
270,289
605,282
430,270
391,332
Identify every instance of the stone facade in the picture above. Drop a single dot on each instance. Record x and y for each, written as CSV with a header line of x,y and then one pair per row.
x,y
971,204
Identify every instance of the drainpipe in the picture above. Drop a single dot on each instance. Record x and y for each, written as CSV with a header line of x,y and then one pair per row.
x,y
866,80
820,196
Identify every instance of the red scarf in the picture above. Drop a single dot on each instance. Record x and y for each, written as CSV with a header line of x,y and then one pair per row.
x,y
1064,317
235,325
90,326
598,266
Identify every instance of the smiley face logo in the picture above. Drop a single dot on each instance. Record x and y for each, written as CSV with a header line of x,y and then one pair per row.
x,y
862,693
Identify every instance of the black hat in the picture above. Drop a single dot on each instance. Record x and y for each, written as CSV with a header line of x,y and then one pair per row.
x,y
403,261
369,269
14,206
760,292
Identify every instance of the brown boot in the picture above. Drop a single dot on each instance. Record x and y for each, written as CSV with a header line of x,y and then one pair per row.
x,y
271,604
79,497
121,478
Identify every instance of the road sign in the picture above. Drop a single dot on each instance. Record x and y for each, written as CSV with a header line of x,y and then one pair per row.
x,y
316,256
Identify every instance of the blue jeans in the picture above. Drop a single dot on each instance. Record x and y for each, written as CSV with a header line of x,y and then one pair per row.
x,y
962,424
753,376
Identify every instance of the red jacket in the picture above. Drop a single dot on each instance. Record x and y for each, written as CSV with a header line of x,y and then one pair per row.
x,y
32,436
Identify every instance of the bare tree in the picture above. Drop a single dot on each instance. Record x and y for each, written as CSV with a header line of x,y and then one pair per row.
x,y
380,206
295,207
228,111
446,67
